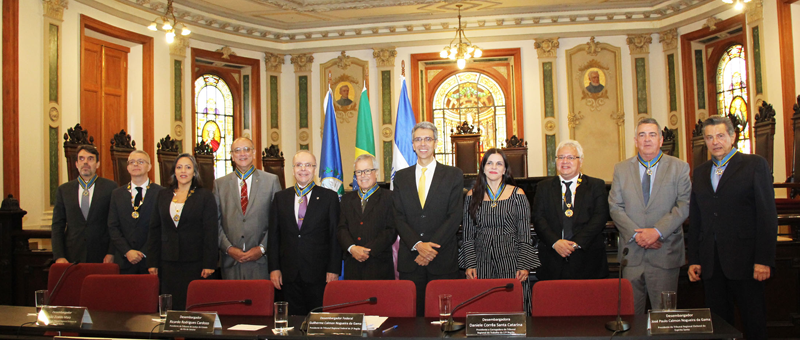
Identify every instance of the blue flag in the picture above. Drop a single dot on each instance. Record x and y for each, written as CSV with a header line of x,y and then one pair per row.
x,y
402,149
330,170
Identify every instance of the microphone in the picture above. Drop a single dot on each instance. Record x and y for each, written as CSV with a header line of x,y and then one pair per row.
x,y
58,283
246,302
304,327
619,325
451,326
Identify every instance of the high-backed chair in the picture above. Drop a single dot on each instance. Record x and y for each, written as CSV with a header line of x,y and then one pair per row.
x,y
204,156
260,292
581,298
120,293
699,148
396,298
121,147
764,131
73,138
167,152
68,292
274,163
500,300
516,151
668,147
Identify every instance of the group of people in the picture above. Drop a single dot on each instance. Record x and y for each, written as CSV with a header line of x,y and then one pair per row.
x,y
298,237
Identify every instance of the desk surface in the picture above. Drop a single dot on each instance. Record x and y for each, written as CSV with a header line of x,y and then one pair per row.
x,y
113,324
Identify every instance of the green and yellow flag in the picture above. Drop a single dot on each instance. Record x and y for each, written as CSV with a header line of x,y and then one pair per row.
x,y
365,140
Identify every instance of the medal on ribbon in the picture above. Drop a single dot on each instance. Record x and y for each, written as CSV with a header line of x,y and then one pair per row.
x,y
649,165
720,165
364,195
244,176
86,185
302,192
569,211
135,213
493,197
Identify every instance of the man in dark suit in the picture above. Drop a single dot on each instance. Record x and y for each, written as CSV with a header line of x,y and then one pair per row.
x,y
733,229
129,215
428,202
366,226
649,201
570,212
304,254
80,215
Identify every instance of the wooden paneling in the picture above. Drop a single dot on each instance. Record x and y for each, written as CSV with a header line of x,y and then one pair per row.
x,y
11,97
785,42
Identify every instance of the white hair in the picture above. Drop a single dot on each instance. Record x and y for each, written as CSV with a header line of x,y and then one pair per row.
x,y
572,143
367,156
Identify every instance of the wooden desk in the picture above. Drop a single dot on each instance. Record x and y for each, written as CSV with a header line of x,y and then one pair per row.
x,y
128,325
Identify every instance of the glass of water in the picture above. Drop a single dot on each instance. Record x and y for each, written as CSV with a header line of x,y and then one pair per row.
x,y
281,315
42,299
445,307
164,305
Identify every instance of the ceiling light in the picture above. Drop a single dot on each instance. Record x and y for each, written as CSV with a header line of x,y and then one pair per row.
x,y
463,49
169,24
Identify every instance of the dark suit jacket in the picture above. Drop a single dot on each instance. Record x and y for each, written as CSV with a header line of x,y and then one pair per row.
x,y
739,219
373,229
438,222
309,253
589,220
195,237
125,231
82,239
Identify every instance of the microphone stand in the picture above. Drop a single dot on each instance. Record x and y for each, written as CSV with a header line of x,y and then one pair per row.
x,y
451,325
619,325
246,302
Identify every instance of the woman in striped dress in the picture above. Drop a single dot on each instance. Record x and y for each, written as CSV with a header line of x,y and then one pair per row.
x,y
497,234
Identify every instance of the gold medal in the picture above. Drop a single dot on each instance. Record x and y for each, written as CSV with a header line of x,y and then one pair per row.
x,y
135,214
494,204
176,218
719,171
86,193
649,172
568,212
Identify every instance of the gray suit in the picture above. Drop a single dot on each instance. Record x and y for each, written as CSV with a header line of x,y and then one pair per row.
x,y
651,270
248,230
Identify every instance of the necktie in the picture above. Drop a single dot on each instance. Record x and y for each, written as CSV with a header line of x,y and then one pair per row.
x,y
138,199
567,225
715,180
85,205
363,205
646,188
421,188
243,197
301,212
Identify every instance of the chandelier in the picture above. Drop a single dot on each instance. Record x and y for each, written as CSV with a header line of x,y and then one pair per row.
x,y
739,4
462,50
169,26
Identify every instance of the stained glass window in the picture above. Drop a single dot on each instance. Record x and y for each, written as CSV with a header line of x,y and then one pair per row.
x,y
472,97
214,115
732,91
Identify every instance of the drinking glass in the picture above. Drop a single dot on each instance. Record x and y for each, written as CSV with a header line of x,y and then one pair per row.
x,y
281,314
42,299
164,305
445,307
669,300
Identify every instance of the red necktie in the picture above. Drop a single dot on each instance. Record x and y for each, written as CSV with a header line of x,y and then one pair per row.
x,y
244,197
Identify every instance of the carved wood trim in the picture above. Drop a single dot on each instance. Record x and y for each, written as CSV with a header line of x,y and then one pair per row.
x,y
785,43
11,97
148,81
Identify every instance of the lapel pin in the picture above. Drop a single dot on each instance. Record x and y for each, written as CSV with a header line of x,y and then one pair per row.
x,y
318,198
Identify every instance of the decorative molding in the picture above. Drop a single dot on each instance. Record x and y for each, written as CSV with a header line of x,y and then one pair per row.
x,y
384,57
668,39
547,47
344,61
755,11
274,62
639,43
226,51
55,8
593,47
574,119
302,62
179,46
711,23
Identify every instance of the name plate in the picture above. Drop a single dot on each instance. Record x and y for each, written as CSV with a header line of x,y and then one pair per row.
x,y
69,317
191,322
682,321
347,324
493,324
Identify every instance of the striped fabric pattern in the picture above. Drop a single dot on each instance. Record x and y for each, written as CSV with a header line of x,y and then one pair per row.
x,y
499,242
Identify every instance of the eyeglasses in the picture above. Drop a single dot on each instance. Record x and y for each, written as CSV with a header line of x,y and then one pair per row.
x,y
305,166
424,139
242,150
567,158
137,162
365,172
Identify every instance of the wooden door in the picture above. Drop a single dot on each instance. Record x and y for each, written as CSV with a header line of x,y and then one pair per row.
x,y
104,79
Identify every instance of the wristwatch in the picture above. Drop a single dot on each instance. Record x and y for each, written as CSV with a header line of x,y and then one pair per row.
x,y
263,250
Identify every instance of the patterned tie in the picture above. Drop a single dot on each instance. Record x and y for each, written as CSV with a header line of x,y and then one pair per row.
x,y
646,187
138,199
421,188
243,197
301,212
85,205
567,225
363,205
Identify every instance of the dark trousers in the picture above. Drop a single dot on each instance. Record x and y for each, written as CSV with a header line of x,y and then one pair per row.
x,y
139,268
421,277
722,293
302,296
